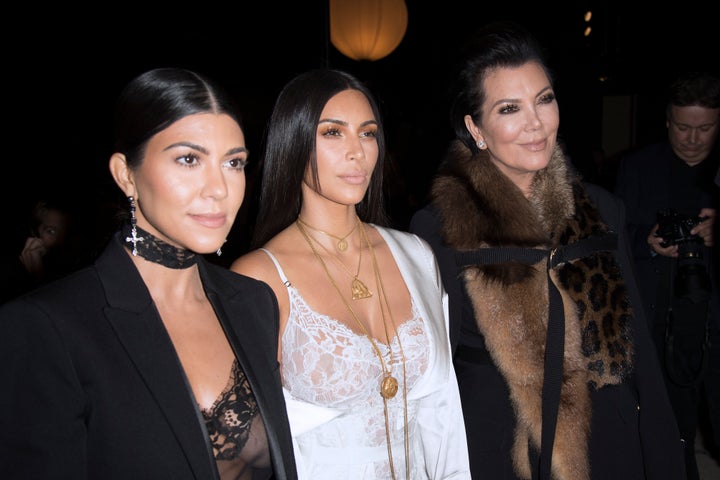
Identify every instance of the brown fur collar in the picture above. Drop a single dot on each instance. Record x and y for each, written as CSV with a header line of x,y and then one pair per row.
x,y
480,208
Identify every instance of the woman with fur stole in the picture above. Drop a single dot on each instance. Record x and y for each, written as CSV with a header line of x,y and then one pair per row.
x,y
557,373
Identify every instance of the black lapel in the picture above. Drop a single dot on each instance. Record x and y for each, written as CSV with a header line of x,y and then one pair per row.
x,y
249,329
140,330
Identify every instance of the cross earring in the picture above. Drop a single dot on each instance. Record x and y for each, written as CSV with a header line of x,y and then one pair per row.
x,y
133,238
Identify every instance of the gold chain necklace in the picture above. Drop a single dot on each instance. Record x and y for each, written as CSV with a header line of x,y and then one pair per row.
x,y
358,288
341,244
389,384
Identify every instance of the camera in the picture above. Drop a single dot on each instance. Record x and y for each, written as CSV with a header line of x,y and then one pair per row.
x,y
692,280
674,228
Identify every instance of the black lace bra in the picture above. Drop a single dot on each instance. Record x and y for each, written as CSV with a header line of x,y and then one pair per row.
x,y
236,429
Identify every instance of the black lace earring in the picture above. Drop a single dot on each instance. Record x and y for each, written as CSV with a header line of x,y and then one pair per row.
x,y
133,238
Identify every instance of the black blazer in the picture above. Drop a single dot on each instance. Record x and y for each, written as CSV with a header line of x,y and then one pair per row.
x,y
93,388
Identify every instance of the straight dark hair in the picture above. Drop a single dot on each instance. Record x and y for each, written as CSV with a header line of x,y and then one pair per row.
x,y
290,146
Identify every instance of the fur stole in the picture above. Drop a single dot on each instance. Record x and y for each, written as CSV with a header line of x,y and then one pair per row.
x,y
480,207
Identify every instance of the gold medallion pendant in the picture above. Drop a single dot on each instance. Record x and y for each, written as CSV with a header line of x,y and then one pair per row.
x,y
342,244
389,387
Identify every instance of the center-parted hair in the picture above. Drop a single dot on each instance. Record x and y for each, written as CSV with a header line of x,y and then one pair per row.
x,y
290,146
154,100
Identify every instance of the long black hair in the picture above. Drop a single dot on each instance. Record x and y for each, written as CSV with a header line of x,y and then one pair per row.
x,y
290,146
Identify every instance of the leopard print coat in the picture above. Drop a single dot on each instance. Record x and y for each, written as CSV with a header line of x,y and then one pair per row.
x,y
480,207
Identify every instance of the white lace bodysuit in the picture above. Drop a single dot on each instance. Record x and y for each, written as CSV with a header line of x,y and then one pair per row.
x,y
326,363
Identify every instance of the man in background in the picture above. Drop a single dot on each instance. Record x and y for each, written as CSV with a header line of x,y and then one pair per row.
x,y
50,249
672,202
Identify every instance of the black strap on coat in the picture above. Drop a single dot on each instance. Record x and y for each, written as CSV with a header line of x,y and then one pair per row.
x,y
555,335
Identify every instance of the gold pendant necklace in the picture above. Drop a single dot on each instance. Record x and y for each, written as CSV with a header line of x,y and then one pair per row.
x,y
341,244
389,385
358,289
389,382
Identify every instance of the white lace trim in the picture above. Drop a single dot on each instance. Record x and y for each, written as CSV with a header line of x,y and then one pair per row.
x,y
346,375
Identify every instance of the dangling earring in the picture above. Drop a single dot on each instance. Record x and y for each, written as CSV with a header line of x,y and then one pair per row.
x,y
219,250
481,144
133,238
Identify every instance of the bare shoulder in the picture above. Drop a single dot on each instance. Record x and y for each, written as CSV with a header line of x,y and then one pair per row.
x,y
259,265
256,264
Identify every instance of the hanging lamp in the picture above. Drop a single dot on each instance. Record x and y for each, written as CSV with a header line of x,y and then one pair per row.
x,y
367,29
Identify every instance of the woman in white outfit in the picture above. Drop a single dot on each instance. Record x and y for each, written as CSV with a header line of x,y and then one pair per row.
x,y
364,346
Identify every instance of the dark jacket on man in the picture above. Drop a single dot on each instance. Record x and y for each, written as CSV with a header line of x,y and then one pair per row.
x,y
681,295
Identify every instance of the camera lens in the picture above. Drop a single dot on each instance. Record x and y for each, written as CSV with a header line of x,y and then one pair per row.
x,y
692,280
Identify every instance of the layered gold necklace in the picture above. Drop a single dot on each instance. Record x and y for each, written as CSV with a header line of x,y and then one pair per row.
x,y
389,384
342,243
357,288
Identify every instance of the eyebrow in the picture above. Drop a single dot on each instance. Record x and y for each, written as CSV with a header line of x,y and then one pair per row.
x,y
204,150
680,124
344,123
517,100
235,150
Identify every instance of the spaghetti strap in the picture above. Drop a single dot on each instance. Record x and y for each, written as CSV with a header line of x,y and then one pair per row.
x,y
279,268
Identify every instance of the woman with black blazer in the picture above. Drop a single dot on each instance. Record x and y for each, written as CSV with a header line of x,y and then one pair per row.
x,y
153,362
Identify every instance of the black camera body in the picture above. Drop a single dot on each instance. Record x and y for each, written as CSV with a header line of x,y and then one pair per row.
x,y
674,228
692,280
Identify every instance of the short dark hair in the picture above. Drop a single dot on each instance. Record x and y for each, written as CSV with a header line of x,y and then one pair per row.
x,y
154,100
496,45
694,89
289,147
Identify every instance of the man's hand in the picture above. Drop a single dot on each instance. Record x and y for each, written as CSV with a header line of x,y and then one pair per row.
x,y
654,243
705,228
31,256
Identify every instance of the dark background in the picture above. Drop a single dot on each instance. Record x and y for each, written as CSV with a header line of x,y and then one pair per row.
x,y
64,67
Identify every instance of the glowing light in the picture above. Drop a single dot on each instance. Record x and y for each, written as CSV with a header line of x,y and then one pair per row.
x,y
367,29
